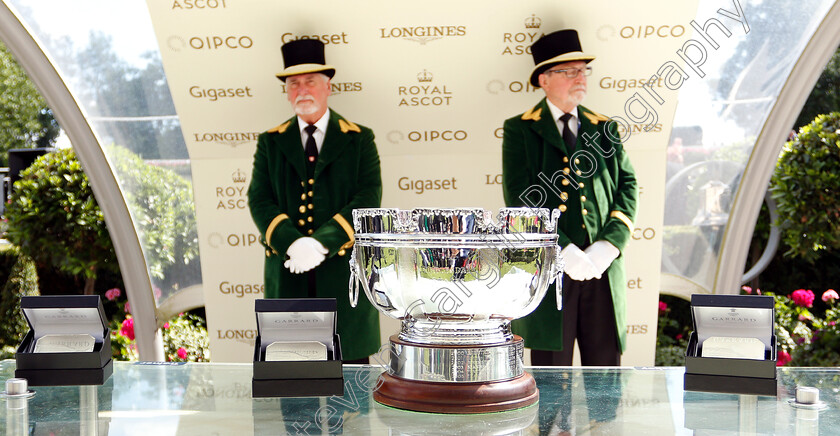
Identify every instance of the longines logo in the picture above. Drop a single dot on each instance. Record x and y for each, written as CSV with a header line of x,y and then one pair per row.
x,y
637,129
235,196
240,290
231,139
422,34
339,87
214,94
218,240
199,4
607,32
424,93
519,42
246,336
329,38
431,136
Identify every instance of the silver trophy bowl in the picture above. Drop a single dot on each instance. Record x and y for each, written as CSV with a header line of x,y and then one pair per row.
x,y
455,278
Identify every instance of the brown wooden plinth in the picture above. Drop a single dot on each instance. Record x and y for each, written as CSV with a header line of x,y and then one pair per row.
x,y
483,397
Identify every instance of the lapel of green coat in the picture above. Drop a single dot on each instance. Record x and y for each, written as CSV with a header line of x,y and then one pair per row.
x,y
292,148
545,126
334,143
587,128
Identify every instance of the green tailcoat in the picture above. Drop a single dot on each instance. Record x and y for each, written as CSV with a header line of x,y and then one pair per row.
x,y
599,202
286,205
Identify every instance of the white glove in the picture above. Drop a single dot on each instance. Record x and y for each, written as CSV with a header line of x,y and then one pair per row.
x,y
304,254
602,254
578,265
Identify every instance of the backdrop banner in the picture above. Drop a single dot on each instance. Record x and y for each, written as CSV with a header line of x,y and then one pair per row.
x,y
435,81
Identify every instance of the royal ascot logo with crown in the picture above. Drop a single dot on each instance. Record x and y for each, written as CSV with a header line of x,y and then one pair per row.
x,y
424,76
424,93
234,196
238,176
533,22
231,139
422,34
519,42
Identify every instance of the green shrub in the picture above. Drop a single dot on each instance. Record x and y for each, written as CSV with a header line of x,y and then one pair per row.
x,y
163,210
22,281
805,189
53,218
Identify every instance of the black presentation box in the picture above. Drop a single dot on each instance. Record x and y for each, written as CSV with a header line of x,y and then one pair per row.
x,y
743,316
64,314
290,320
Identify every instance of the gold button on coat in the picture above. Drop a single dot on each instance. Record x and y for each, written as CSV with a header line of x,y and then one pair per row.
x,y
309,193
580,184
301,222
564,182
565,159
578,172
341,252
562,207
567,170
584,212
309,219
303,197
302,209
564,196
310,231
582,198
311,181
309,206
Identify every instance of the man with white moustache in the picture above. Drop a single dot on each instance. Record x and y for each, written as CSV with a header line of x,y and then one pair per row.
x,y
309,173
575,156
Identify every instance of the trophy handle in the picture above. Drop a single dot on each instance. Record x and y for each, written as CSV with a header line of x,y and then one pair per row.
x,y
353,286
557,276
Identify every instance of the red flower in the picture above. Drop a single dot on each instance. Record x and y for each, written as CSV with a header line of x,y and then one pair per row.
x,y
127,328
166,325
746,289
112,294
662,307
783,358
803,297
679,336
182,353
830,295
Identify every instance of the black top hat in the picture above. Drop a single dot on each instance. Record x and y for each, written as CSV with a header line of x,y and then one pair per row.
x,y
555,48
304,56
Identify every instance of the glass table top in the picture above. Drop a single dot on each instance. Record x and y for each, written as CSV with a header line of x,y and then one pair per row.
x,y
155,399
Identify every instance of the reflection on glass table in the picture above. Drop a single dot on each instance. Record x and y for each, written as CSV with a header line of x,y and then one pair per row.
x,y
215,399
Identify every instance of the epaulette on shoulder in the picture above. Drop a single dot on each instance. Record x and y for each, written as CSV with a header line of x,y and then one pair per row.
x,y
532,114
281,128
347,126
595,117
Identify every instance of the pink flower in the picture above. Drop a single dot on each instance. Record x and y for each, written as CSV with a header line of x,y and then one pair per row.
x,y
746,289
182,353
127,308
802,297
127,328
662,307
157,292
166,325
112,294
783,358
830,295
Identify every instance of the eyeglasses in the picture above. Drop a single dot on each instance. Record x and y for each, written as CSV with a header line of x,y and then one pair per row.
x,y
571,73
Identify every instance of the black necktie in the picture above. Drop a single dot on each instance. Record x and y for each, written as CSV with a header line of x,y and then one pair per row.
x,y
311,149
568,137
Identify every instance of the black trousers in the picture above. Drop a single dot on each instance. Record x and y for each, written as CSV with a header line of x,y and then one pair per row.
x,y
589,318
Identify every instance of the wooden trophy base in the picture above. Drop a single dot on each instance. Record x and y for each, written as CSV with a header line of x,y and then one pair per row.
x,y
435,397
